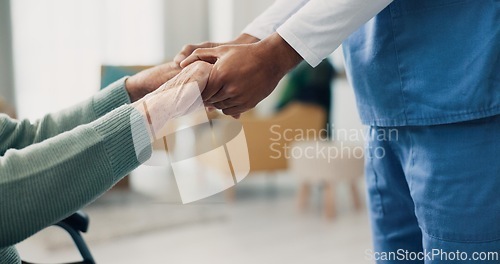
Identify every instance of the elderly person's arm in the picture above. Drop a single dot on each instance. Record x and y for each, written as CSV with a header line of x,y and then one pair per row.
x,y
43,183
20,134
47,181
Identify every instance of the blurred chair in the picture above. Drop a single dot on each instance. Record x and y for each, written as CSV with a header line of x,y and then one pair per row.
x,y
345,165
112,73
268,138
266,148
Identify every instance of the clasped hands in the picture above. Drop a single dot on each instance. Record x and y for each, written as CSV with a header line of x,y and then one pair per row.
x,y
244,72
233,76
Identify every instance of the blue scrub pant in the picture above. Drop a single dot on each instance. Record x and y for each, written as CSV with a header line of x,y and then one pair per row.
x,y
434,192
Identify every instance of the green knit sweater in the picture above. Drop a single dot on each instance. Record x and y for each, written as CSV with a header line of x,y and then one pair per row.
x,y
53,167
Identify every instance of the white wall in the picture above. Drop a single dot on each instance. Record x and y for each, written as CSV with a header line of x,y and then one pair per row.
x,y
60,45
227,18
196,21
245,11
132,32
186,22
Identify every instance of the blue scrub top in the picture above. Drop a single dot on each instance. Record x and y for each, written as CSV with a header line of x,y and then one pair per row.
x,y
427,62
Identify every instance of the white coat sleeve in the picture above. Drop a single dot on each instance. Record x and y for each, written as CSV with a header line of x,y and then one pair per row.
x,y
267,23
320,26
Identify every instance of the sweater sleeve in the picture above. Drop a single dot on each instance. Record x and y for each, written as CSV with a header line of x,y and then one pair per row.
x,y
23,133
45,182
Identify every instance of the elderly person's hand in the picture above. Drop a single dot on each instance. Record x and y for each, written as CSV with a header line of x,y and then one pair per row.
x,y
178,96
149,80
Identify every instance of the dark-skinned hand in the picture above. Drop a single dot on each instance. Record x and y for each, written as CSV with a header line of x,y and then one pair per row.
x,y
243,75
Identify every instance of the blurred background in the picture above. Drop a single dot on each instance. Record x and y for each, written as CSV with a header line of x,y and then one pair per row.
x,y
293,209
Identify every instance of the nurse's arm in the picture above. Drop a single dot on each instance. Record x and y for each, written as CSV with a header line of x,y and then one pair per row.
x,y
244,75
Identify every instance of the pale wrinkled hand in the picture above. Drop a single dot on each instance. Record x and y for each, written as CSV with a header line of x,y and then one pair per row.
x,y
177,97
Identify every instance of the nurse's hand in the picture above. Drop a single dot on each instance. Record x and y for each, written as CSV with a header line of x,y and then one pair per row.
x,y
149,80
189,49
243,75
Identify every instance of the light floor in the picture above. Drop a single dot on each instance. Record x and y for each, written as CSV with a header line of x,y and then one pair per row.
x,y
253,230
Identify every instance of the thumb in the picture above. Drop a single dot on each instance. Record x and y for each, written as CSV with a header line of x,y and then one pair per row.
x,y
209,55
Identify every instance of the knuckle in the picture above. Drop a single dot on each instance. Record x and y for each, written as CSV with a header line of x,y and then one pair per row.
x,y
199,51
202,66
196,64
232,91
